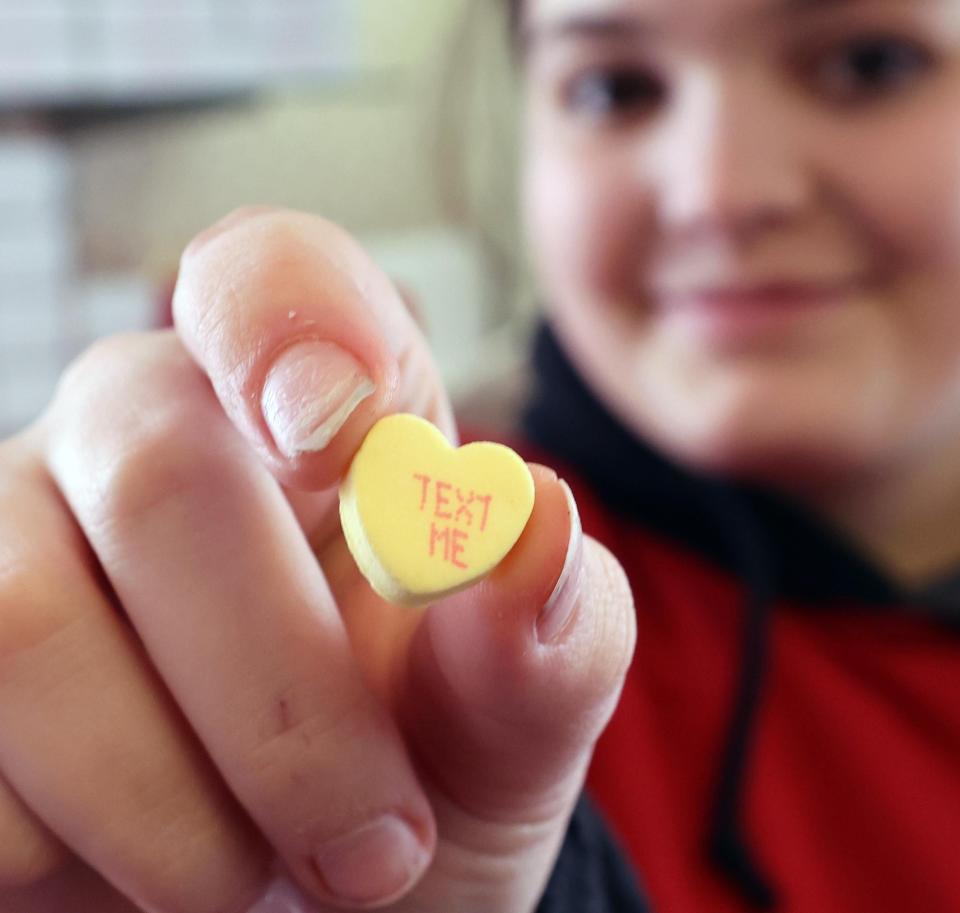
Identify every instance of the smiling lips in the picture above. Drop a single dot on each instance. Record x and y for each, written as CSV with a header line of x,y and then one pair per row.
x,y
767,294
728,314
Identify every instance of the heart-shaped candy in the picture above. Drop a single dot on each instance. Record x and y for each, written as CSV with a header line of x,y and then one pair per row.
x,y
423,519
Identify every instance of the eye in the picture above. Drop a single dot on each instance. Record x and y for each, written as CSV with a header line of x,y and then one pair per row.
x,y
867,68
613,92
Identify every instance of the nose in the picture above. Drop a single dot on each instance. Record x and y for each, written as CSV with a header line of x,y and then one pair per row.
x,y
729,161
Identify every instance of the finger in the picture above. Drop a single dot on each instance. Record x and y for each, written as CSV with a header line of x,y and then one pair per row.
x,y
536,653
511,683
304,339
89,738
215,574
28,849
74,888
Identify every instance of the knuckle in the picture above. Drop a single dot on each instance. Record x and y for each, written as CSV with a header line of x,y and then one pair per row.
x,y
160,460
134,429
15,590
96,367
27,854
18,456
32,611
31,601
29,616
104,380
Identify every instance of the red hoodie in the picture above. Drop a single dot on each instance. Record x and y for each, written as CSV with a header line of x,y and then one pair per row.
x,y
789,733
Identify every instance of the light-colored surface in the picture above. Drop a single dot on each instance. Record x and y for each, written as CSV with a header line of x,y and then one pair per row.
x,y
140,51
363,151
35,268
414,154
423,519
477,334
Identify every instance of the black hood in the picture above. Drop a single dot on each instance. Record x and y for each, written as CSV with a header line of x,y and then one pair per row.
x,y
775,546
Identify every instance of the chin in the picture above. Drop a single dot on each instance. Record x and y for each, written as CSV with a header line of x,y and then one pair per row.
x,y
795,459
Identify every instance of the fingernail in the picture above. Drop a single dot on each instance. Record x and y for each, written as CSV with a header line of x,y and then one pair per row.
x,y
282,896
311,390
559,608
372,865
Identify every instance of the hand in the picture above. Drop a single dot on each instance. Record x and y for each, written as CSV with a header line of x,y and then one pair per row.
x,y
198,690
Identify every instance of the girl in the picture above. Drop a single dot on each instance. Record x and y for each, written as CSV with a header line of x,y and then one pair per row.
x,y
743,214
744,219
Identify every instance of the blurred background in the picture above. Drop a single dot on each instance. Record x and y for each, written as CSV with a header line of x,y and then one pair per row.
x,y
126,126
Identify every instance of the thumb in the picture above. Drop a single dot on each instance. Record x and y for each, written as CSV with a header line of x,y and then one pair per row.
x,y
510,684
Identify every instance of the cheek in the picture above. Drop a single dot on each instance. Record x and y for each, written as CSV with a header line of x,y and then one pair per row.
x,y
904,180
907,191
585,226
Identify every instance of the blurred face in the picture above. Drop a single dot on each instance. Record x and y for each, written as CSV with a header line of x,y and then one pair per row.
x,y
746,218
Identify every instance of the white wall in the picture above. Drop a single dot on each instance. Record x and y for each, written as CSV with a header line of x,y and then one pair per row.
x,y
363,153
413,153
415,156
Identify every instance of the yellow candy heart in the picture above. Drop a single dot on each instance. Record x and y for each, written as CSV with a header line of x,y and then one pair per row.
x,y
423,519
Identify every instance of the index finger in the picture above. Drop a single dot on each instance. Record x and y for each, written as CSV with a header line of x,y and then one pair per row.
x,y
304,339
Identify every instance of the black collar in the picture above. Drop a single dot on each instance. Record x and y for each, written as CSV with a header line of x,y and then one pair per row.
x,y
808,560
775,546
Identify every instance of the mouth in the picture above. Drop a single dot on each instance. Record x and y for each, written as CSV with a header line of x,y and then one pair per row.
x,y
745,313
767,295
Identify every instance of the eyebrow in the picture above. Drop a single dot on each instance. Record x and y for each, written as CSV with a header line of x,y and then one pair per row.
x,y
793,7
587,26
624,26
